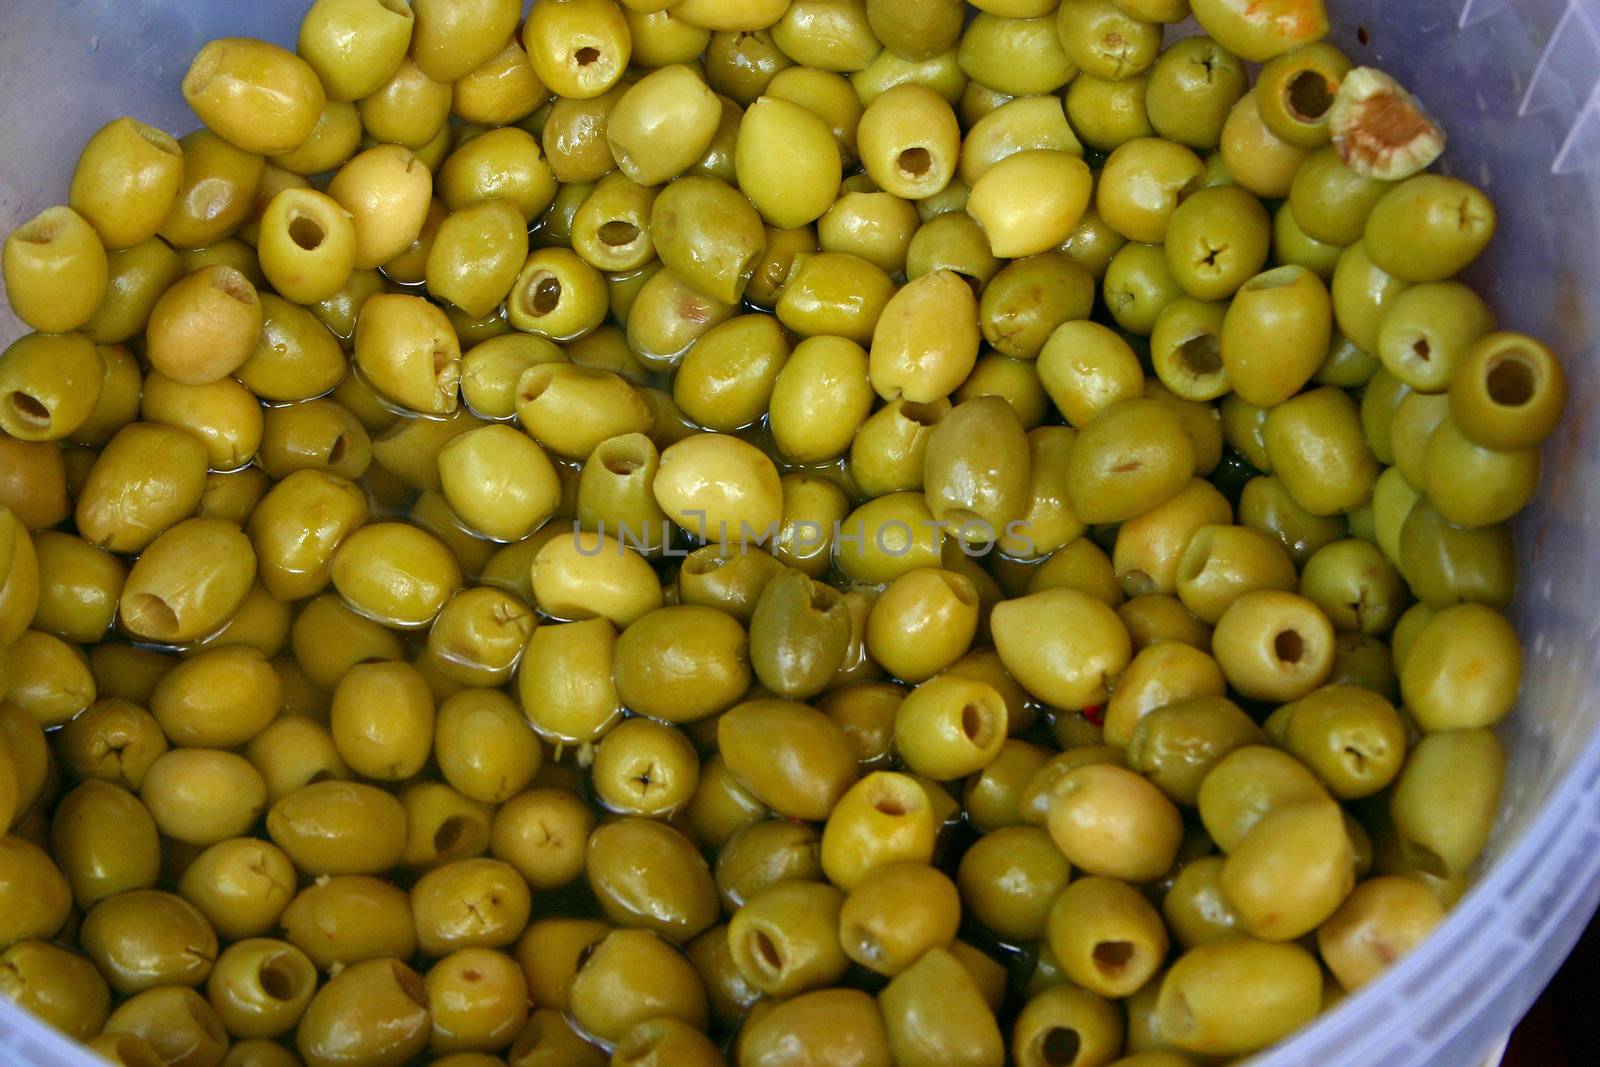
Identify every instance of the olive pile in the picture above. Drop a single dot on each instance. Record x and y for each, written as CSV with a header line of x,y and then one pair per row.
x,y
793,533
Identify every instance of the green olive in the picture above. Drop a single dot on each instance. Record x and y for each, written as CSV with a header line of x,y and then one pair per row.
x,y
1237,996
330,1032
1276,334
646,874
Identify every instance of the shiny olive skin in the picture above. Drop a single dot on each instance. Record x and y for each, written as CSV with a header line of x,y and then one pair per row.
x,y
1455,643
318,824
550,951
645,768
630,976
1507,392
240,885
384,989
217,194
935,1013
883,818
1283,303
1177,745
682,663
837,1026
1317,450
257,95
55,270
726,380
126,180
1351,737
202,796
799,635
649,875
1010,877
915,652
1428,228
1231,997
145,938
1216,240
1446,564
1061,644
1106,936
813,764
1150,548
976,491
468,903
1028,299
56,985
174,1023
1195,906
786,938
1191,88
1127,459
1266,506
1307,838
1384,918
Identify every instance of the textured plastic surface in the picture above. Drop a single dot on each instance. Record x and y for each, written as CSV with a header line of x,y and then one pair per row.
x,y
1515,82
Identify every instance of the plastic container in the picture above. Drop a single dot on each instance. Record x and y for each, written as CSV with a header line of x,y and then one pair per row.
x,y
1515,83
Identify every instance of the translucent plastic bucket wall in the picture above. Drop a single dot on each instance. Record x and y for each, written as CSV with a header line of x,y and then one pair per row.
x,y
1515,83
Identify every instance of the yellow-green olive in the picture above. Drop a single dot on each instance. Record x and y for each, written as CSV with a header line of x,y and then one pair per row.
x,y
126,180
257,95
788,162
1030,202
55,270
332,1032
1239,995
663,124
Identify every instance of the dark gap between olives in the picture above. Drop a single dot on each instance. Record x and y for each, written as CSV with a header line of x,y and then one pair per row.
x,y
410,983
